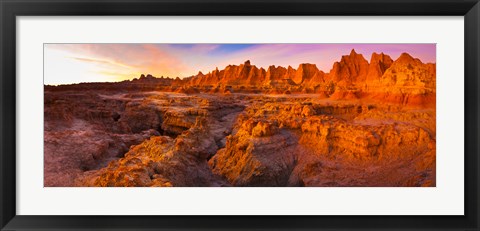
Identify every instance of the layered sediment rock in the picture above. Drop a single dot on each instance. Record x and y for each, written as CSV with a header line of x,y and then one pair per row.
x,y
362,124
350,70
85,131
284,144
405,81
162,162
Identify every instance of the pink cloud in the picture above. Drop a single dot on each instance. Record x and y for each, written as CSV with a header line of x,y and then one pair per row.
x,y
187,59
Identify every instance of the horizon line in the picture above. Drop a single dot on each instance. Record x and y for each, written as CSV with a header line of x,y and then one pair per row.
x,y
248,60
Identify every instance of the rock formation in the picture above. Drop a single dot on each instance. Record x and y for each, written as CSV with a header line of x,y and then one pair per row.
x,y
352,77
351,70
364,123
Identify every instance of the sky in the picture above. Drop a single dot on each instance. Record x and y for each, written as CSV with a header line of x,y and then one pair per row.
x,y
75,63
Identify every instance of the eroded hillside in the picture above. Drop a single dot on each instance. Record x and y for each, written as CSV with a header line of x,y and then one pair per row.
x,y
362,124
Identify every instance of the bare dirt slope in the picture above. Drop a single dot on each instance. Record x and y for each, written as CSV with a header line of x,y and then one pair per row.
x,y
171,139
364,123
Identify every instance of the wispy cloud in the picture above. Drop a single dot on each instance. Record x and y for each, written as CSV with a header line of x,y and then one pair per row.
x,y
100,61
111,62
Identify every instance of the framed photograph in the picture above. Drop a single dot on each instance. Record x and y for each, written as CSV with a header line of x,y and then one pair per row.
x,y
268,115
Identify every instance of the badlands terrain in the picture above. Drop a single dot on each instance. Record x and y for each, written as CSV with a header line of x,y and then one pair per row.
x,y
364,123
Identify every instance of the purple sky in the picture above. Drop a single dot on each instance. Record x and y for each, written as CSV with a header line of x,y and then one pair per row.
x,y
74,63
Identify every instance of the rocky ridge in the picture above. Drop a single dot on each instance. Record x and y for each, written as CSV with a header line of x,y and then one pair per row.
x,y
361,124
352,77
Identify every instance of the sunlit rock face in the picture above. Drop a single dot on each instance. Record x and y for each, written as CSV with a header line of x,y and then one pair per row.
x,y
278,144
405,81
364,123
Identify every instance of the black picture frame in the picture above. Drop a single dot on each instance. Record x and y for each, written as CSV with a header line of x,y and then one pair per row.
x,y
9,9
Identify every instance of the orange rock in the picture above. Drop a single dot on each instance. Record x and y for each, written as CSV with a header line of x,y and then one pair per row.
x,y
362,124
352,69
